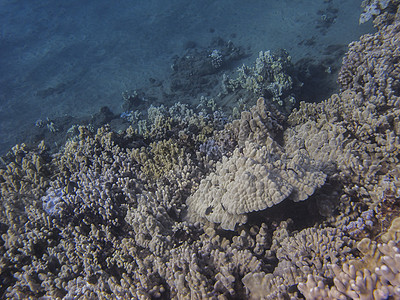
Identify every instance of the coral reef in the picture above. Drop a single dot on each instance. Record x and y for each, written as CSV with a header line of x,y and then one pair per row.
x,y
257,124
372,8
198,69
271,77
307,253
374,74
312,202
373,276
357,130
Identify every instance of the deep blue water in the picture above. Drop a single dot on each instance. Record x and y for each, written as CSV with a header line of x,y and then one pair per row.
x,y
73,57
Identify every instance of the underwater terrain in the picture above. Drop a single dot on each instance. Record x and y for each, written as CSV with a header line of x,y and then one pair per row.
x,y
62,62
234,171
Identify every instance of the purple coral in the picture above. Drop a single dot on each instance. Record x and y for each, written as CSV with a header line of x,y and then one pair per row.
x,y
53,201
363,222
211,149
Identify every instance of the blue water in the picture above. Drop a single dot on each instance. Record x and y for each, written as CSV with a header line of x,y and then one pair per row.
x,y
73,57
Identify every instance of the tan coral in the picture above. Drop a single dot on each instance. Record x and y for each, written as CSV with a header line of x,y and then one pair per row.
x,y
373,276
254,180
257,125
362,148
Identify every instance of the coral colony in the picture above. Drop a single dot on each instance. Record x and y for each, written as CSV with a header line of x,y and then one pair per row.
x,y
190,203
